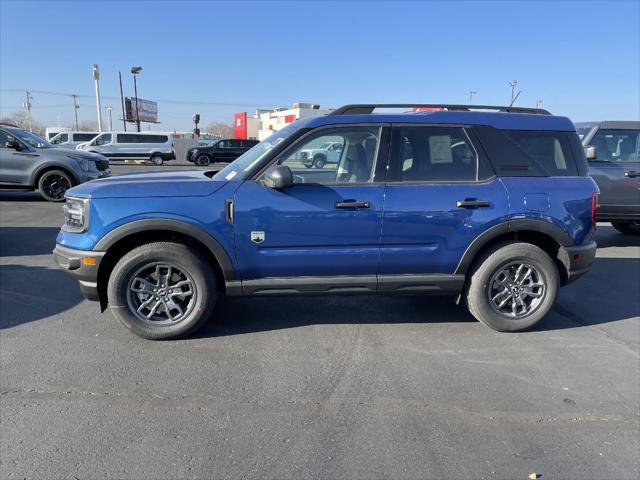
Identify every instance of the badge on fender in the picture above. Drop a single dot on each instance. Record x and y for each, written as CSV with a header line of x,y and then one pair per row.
x,y
257,237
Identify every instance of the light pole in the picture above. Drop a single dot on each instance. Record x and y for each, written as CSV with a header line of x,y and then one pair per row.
x,y
96,78
538,103
135,71
514,84
75,109
471,94
108,108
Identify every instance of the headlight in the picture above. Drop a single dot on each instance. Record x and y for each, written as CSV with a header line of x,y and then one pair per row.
x,y
76,215
82,162
194,151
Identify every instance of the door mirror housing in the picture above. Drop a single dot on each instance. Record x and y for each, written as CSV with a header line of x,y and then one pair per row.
x,y
278,177
591,152
14,144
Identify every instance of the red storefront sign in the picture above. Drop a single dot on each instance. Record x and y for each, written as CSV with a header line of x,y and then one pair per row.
x,y
240,125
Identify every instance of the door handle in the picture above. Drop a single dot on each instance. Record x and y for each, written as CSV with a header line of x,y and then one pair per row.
x,y
471,203
632,174
352,204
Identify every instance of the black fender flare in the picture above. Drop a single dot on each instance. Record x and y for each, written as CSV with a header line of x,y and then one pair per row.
x,y
53,166
511,226
170,225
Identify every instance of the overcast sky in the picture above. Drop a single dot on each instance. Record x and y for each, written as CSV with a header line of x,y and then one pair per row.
x,y
581,58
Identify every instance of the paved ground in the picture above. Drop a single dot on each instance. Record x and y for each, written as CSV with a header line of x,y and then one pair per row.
x,y
311,387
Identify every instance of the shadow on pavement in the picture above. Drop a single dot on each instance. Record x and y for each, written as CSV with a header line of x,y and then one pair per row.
x,y
607,236
33,293
20,196
23,241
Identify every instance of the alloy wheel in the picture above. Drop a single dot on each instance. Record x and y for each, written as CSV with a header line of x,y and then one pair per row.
x,y
516,290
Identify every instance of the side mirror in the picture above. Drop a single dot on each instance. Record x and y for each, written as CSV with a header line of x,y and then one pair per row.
x,y
591,152
14,144
278,177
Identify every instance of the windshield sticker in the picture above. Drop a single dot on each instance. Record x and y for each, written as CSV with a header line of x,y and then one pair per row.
x,y
231,175
440,148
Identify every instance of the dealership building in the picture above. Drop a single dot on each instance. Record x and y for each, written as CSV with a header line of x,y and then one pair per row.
x,y
264,122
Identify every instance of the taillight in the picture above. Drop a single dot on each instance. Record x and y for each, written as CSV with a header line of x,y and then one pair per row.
x,y
595,206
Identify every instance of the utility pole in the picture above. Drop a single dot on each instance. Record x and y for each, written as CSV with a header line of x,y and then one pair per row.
x,y
27,106
471,94
124,115
538,103
514,95
135,71
108,108
75,108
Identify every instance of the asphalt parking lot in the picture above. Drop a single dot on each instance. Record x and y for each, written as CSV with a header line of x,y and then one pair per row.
x,y
347,387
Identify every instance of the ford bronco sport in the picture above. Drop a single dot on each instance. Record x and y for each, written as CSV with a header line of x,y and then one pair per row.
x,y
495,207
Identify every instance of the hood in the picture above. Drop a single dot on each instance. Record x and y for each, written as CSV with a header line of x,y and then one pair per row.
x,y
176,183
68,152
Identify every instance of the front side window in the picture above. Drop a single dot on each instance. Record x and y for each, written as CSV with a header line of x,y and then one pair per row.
x,y
32,139
616,145
102,139
5,138
60,138
335,155
433,154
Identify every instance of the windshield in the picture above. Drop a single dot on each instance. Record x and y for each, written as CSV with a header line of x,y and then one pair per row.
x,y
31,139
238,169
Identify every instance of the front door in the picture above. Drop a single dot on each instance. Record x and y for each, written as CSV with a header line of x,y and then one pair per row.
x,y
616,170
440,196
324,232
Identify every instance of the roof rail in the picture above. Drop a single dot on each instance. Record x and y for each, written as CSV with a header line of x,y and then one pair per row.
x,y
367,108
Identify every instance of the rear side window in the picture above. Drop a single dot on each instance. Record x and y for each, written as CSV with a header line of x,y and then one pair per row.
x,y
433,154
529,153
83,137
127,138
616,145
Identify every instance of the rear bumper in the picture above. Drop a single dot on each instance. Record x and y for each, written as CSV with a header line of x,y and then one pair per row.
x,y
577,260
75,264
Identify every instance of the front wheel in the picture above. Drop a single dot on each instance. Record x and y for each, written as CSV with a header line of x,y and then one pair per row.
x,y
53,185
203,160
319,161
157,160
628,228
162,290
512,287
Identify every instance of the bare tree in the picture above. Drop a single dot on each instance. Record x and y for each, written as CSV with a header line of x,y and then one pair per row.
x,y
221,129
21,120
88,126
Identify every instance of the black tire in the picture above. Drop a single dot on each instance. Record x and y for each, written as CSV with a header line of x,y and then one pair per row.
x,y
187,263
319,161
53,184
482,284
157,160
203,160
307,165
631,227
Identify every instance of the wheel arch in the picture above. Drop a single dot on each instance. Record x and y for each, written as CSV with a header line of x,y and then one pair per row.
x,y
544,235
131,235
42,169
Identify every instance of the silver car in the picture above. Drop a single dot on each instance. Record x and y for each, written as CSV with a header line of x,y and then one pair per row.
x,y
29,162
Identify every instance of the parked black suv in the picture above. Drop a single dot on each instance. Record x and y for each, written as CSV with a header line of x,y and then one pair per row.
x,y
613,151
225,150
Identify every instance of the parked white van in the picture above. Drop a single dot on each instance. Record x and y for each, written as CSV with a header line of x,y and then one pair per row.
x,y
72,139
156,147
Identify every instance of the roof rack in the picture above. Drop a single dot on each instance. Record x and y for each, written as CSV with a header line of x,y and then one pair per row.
x,y
367,108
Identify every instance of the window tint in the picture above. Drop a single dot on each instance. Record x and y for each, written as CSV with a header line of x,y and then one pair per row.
x,y
223,144
5,138
353,162
60,138
103,139
83,137
432,154
529,153
127,138
616,145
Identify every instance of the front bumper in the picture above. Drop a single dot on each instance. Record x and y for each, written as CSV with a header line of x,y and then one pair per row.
x,y
577,260
81,265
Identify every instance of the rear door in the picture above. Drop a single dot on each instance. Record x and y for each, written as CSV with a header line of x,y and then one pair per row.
x,y
440,196
324,231
616,170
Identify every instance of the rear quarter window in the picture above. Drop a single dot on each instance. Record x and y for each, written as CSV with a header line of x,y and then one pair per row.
x,y
530,153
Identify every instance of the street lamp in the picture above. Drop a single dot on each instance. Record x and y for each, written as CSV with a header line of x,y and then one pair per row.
x,y
471,94
96,78
135,71
108,108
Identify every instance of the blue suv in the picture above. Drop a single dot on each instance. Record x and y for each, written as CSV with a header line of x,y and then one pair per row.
x,y
494,207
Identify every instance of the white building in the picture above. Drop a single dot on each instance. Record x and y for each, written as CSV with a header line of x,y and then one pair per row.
x,y
265,122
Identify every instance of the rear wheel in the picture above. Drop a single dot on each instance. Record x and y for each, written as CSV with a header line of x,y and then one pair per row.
x,y
512,287
629,228
157,160
162,290
53,185
203,160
